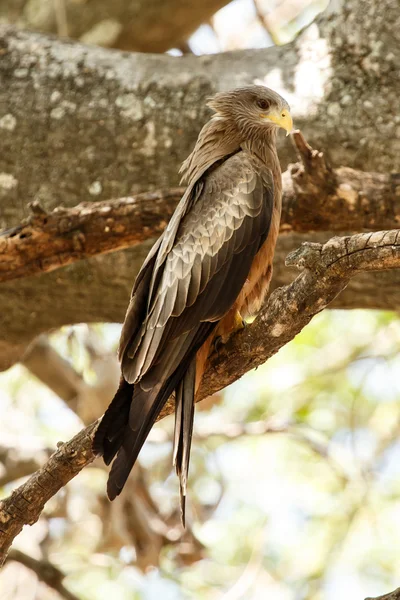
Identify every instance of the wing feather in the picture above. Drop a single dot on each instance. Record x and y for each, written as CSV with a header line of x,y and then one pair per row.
x,y
198,274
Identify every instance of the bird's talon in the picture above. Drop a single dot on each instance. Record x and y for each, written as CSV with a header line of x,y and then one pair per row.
x,y
218,343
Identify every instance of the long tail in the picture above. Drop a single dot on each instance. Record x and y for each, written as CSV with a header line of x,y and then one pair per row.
x,y
132,413
184,416
127,423
110,433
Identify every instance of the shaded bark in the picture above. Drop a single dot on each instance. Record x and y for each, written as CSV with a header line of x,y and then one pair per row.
x,y
48,241
78,120
326,270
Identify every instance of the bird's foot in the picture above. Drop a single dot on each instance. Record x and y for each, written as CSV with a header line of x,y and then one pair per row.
x,y
218,343
237,325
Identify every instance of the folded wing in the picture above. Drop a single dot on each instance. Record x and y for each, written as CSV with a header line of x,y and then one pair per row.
x,y
189,282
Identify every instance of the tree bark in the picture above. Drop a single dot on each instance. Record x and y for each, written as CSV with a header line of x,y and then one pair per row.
x,y
77,119
315,198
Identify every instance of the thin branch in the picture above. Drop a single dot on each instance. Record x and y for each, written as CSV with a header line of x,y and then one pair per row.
x,y
395,595
26,503
85,399
45,363
326,270
315,198
45,571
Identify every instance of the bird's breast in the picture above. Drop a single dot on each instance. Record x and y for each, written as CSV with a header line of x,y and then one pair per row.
x,y
254,290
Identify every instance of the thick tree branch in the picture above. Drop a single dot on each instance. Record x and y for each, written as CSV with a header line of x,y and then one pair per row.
x,y
47,241
315,198
111,124
326,270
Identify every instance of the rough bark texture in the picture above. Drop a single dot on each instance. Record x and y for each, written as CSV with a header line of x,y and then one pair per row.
x,y
141,25
26,503
79,119
315,198
326,271
47,241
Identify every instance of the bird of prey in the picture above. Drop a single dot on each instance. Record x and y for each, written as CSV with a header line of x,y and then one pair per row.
x,y
208,271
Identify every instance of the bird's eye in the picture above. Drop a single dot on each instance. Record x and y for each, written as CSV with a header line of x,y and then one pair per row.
x,y
263,104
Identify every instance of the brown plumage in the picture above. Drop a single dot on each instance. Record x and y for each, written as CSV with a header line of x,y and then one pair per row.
x,y
210,269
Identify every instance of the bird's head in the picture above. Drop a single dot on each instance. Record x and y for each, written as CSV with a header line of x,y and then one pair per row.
x,y
252,108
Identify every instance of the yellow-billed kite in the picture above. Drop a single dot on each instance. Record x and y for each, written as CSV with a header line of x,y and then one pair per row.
x,y
208,271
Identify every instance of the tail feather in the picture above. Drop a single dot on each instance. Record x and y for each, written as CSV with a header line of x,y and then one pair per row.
x,y
145,408
134,410
110,432
184,417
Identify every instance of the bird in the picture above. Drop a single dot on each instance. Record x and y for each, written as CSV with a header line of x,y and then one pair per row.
x,y
208,271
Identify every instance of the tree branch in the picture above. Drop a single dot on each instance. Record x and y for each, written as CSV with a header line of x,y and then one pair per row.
x,y
326,270
47,241
45,571
315,198
395,595
85,399
26,503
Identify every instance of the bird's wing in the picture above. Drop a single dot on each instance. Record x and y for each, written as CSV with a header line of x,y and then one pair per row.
x,y
198,269
151,270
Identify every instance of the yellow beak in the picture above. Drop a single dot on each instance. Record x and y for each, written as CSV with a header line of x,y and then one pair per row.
x,y
282,119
